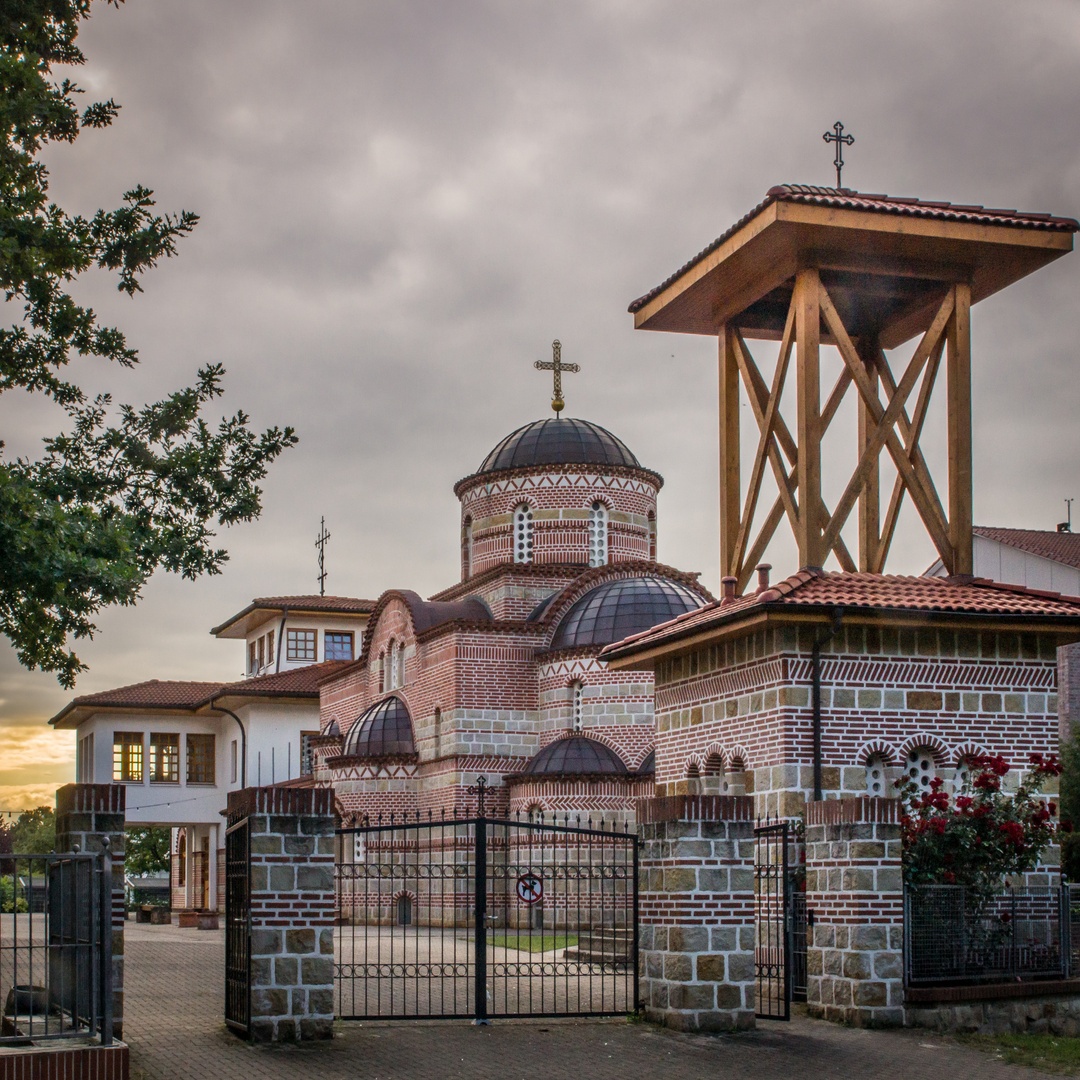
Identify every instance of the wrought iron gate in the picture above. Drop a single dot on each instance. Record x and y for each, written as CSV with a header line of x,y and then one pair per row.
x,y
238,927
773,938
485,918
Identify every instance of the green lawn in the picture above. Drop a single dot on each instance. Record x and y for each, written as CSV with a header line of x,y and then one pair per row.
x,y
533,942
1048,1053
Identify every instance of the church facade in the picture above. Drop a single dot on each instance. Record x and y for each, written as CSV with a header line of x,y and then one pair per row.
x,y
498,676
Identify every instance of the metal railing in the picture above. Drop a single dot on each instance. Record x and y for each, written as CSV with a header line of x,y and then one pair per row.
x,y
952,935
55,947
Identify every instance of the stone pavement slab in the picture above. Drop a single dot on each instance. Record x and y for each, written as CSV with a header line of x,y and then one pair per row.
x,y
173,1023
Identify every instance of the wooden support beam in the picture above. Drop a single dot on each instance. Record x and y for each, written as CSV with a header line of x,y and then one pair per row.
x,y
911,437
935,524
959,425
729,450
812,551
870,496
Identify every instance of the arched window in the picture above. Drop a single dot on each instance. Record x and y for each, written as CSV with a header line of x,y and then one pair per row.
x,y
920,766
962,777
382,673
391,666
438,732
876,779
578,689
535,812
181,858
715,782
523,538
466,549
404,910
399,668
598,529
652,536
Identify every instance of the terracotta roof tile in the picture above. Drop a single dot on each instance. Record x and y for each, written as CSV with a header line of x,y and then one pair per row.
x,y
1058,547
342,605
154,694
881,592
304,680
846,199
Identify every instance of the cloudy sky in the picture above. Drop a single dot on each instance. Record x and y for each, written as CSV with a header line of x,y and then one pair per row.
x,y
403,203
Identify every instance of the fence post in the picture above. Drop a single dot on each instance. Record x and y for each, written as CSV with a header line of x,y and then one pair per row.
x,y
480,951
91,818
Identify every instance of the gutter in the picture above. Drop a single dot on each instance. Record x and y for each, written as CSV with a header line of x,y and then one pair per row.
x,y
823,637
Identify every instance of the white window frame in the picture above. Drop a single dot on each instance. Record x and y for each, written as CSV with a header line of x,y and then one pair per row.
x,y
598,534
577,723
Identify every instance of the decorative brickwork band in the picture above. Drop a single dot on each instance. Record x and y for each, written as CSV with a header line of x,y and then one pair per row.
x,y
291,888
89,816
696,904
853,811
854,896
695,808
279,800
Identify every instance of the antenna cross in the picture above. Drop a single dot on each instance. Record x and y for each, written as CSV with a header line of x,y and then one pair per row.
x,y
320,543
555,364
837,136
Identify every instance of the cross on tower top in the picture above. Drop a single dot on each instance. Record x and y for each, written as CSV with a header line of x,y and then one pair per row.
x,y
320,543
556,365
837,136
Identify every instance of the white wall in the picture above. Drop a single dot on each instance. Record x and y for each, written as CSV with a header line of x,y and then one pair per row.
x,y
273,740
320,623
1000,562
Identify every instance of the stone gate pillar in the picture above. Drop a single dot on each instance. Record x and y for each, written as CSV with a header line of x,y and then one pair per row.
x,y
87,817
291,877
854,895
696,906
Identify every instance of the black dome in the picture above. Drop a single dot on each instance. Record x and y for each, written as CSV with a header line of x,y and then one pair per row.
x,y
617,609
384,730
556,441
576,756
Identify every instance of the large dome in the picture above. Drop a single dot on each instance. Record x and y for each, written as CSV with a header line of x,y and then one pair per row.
x,y
558,441
383,730
616,609
577,755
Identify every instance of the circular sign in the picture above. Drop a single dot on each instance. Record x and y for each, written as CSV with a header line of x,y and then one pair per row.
x,y
530,889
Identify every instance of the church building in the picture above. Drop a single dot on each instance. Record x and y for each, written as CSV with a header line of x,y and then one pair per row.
x,y
497,676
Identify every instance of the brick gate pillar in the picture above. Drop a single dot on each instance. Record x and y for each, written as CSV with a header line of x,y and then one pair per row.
x,y
696,907
854,895
292,910
88,816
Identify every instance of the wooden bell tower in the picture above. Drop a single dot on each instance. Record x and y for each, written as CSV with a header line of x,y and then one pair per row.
x,y
865,273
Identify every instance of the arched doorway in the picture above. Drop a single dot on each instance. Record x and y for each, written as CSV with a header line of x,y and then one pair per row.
x,y
404,910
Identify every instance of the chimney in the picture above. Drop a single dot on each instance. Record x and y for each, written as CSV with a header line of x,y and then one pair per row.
x,y
729,584
763,576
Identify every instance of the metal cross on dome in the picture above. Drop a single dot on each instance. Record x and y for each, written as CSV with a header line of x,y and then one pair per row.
x,y
837,136
556,365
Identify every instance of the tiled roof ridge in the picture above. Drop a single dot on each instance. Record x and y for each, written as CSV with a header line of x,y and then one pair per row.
x,y
850,199
94,698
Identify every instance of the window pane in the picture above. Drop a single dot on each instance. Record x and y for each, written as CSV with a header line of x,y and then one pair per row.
x,y
200,759
337,646
127,755
164,759
301,644
307,753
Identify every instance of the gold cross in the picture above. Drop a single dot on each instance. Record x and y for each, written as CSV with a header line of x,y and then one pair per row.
x,y
555,364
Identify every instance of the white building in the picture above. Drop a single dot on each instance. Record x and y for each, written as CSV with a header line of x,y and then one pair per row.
x,y
181,747
1034,558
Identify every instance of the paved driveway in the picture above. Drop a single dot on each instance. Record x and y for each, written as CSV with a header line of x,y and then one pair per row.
x,y
174,1025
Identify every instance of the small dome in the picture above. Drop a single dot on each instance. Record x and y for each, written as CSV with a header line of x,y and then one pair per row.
x,y
648,766
576,756
383,730
333,729
556,441
616,609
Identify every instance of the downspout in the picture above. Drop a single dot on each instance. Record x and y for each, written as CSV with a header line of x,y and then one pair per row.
x,y
243,742
280,638
823,637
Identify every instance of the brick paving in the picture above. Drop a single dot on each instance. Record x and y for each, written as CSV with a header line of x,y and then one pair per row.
x,y
174,1027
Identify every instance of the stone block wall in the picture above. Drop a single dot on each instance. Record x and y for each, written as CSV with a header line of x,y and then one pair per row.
x,y
87,817
854,895
292,911
696,905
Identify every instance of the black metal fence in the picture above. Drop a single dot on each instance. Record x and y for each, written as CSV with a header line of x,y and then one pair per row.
x,y
485,917
238,926
55,947
952,935
772,919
